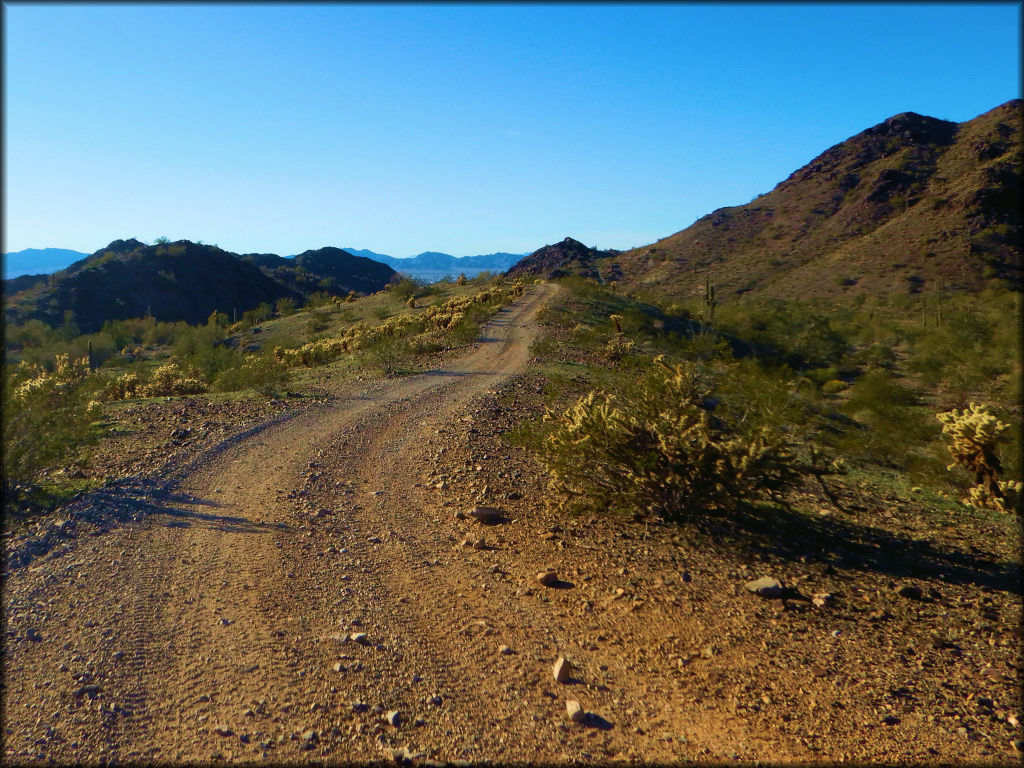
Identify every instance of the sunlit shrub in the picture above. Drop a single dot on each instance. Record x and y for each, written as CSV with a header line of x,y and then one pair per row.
x,y
170,379
661,450
46,416
975,433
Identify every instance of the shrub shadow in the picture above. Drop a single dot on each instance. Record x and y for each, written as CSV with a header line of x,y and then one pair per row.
x,y
852,545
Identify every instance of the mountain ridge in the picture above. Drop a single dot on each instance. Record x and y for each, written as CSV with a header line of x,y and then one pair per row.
x,y
913,201
183,281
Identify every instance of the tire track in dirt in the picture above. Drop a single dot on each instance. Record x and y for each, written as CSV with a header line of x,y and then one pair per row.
x,y
215,607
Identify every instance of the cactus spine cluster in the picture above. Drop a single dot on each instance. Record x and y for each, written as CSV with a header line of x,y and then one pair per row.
x,y
975,433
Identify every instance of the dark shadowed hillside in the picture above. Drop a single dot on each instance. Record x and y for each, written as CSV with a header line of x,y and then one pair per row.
x,y
171,281
564,258
912,204
325,269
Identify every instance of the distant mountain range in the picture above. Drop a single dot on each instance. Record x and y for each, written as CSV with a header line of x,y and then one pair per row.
x,y
432,266
429,265
38,261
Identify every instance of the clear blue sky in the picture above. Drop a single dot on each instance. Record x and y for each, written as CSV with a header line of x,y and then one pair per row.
x,y
463,129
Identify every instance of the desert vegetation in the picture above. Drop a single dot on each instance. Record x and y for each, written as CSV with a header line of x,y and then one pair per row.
x,y
654,407
58,381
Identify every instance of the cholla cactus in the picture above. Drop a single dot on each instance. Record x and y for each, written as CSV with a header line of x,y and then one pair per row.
x,y
976,432
123,387
660,450
170,379
361,336
46,414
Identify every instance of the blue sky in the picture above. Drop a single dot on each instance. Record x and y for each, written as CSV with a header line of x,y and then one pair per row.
x,y
462,129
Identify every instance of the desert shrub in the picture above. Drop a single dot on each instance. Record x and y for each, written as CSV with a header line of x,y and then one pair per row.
x,y
262,373
46,416
284,306
171,379
892,426
405,288
659,449
617,348
833,386
123,387
975,434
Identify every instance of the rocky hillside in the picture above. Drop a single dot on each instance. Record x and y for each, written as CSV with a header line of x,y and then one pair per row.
x,y
911,204
171,281
182,281
564,258
326,269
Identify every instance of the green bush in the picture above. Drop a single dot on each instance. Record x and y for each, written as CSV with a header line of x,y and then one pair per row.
x,y
263,374
660,450
46,416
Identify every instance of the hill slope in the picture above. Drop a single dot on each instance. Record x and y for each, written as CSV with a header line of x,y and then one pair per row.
x,y
171,281
908,203
331,269
567,257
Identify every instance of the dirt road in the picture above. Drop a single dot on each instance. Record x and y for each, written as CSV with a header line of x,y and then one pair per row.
x,y
225,608
310,593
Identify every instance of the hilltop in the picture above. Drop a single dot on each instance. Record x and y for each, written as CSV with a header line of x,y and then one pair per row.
x,y
183,281
331,269
909,204
560,259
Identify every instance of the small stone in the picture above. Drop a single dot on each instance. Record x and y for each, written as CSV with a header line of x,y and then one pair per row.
x,y
359,637
910,591
223,730
547,578
374,539
878,615
393,718
486,514
338,667
33,635
562,670
480,544
822,599
575,711
358,706
890,720
435,701
504,650
765,587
